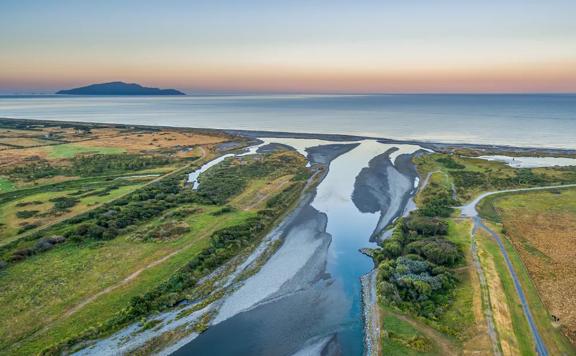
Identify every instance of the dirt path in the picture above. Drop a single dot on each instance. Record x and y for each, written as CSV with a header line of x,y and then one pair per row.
x,y
427,180
487,309
446,345
109,289
267,195
123,282
203,150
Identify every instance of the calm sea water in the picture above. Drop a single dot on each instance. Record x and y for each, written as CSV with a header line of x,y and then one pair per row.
x,y
520,120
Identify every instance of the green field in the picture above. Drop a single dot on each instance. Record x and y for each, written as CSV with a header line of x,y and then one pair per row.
x,y
404,339
6,185
70,150
32,300
472,176
52,296
41,201
459,320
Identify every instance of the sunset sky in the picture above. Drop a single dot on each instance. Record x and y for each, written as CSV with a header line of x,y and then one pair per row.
x,y
291,46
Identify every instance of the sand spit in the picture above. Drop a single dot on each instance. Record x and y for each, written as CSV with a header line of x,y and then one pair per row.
x,y
387,185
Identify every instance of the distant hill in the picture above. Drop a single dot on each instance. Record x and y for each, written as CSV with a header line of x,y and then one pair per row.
x,y
119,88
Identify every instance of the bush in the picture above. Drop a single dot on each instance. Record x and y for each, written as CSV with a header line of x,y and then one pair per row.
x,y
25,214
436,250
414,284
64,203
450,163
425,226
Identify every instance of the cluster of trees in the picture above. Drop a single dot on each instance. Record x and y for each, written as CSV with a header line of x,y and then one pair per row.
x,y
43,244
110,220
450,163
488,179
414,263
167,231
33,170
437,200
26,214
87,165
64,203
416,285
220,183
422,236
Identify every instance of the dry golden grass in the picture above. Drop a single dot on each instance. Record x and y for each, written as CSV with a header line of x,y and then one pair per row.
x,y
498,303
154,140
24,141
256,195
127,140
542,228
480,343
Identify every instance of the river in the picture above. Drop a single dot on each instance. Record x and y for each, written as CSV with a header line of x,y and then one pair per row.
x,y
307,298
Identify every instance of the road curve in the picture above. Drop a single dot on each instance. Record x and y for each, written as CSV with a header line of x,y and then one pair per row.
x,y
469,210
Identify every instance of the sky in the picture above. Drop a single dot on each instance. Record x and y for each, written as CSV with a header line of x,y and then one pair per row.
x,y
296,46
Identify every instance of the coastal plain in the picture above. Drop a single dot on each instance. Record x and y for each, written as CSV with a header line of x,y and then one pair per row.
x,y
108,246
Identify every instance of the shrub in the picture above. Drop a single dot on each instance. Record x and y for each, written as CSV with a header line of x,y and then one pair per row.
x,y
25,214
450,163
436,250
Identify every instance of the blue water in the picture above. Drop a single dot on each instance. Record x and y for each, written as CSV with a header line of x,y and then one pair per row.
x,y
521,120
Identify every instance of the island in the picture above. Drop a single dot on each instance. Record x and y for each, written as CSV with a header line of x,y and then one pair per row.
x,y
118,88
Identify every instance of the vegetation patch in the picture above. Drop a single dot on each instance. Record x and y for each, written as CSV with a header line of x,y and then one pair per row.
x,y
538,227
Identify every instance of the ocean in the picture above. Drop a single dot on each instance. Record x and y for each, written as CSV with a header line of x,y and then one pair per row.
x,y
530,120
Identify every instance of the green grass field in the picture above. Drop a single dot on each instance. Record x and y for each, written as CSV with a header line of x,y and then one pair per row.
x,y
70,150
459,320
61,293
39,291
11,223
403,339
6,185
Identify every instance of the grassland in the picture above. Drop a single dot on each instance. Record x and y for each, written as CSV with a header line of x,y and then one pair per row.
x,y
538,229
48,287
50,296
6,185
403,336
43,205
471,176
57,285
70,150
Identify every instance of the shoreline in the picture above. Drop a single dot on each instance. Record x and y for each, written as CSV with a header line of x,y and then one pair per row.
x,y
252,134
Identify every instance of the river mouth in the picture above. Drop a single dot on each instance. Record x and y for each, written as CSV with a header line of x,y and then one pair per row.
x,y
307,298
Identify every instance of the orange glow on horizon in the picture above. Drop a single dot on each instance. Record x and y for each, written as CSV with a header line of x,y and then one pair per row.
x,y
550,77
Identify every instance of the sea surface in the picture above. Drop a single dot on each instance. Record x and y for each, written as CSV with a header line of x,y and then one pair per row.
x,y
510,119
